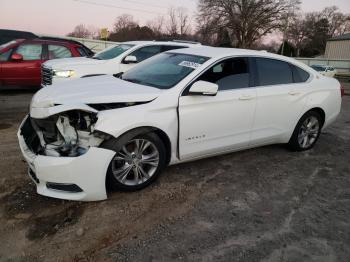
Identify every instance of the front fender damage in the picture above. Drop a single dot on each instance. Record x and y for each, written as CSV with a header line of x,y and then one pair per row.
x,y
69,130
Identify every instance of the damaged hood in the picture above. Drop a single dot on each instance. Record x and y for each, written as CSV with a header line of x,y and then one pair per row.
x,y
93,90
72,63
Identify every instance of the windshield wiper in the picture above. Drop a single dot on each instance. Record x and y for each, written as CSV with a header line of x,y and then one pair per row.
x,y
119,75
95,57
133,81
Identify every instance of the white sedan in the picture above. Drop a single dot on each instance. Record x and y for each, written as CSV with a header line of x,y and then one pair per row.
x,y
113,60
178,106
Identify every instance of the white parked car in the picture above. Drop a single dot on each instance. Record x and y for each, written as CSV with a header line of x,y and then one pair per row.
x,y
325,70
178,106
113,60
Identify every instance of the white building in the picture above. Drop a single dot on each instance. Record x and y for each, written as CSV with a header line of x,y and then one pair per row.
x,y
338,47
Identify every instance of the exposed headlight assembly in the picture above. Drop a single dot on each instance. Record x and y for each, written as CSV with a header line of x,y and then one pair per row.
x,y
63,73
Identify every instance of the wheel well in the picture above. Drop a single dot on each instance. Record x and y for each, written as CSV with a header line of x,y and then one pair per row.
x,y
143,130
164,137
321,112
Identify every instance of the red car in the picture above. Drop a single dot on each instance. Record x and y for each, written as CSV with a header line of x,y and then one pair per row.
x,y
20,60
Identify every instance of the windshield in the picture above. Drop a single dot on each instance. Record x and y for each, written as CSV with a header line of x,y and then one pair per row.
x,y
112,52
164,70
318,68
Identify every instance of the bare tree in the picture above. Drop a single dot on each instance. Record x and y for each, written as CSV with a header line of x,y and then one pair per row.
x,y
123,22
172,25
178,22
157,25
183,20
82,31
207,30
298,32
339,23
247,20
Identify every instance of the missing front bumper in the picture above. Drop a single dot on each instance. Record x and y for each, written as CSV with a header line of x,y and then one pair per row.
x,y
87,171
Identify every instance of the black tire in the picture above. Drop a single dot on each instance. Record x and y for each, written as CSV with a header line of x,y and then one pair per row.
x,y
117,144
294,142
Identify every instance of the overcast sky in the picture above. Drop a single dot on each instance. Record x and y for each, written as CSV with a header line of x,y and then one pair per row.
x,y
58,17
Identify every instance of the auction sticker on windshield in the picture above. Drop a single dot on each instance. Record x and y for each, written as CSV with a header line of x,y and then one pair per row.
x,y
190,64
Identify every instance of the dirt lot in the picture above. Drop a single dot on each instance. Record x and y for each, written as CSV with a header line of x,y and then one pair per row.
x,y
266,204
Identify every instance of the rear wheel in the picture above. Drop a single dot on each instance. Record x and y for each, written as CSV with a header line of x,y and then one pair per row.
x,y
307,132
137,163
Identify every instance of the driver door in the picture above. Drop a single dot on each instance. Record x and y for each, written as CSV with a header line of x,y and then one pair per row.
x,y
25,72
215,124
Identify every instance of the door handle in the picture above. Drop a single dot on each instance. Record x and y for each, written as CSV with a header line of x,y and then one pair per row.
x,y
294,93
246,97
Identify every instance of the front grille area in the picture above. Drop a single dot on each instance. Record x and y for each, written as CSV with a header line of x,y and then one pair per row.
x,y
46,76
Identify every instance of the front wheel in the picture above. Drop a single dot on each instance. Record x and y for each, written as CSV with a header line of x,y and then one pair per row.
x,y
307,132
137,163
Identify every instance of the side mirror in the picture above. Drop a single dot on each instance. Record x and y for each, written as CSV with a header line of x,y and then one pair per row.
x,y
17,57
204,88
130,59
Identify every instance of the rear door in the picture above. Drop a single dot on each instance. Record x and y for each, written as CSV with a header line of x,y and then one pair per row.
x,y
280,100
214,124
26,72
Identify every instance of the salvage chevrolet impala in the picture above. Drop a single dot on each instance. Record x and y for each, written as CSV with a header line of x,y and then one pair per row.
x,y
121,131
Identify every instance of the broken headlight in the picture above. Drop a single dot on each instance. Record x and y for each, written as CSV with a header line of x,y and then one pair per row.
x,y
67,134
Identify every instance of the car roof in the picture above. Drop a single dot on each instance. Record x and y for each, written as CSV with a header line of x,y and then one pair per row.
x,y
173,43
217,52
222,52
46,41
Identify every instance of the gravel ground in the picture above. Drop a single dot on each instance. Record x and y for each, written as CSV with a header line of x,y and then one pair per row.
x,y
265,204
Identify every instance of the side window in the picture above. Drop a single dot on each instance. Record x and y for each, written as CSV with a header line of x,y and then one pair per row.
x,y
30,51
58,51
229,74
300,75
5,56
81,51
171,47
146,52
273,72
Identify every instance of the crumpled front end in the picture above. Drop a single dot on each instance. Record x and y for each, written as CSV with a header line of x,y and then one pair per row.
x,y
64,157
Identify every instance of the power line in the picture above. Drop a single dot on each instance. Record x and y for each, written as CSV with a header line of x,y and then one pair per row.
x,y
119,7
147,4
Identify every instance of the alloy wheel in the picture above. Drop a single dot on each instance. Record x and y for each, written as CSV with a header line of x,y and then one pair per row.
x,y
308,132
136,162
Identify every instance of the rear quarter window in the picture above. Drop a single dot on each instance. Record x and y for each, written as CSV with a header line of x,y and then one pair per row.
x,y
300,75
58,51
273,72
81,51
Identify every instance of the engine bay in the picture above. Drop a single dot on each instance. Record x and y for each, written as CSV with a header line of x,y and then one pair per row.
x,y
68,134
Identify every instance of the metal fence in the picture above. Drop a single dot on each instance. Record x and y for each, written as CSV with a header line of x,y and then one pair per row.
x,y
94,45
341,65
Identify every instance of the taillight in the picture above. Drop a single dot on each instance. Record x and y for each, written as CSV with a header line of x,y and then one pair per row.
x,y
342,91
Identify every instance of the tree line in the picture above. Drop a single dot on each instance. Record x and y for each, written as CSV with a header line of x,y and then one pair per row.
x,y
255,24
